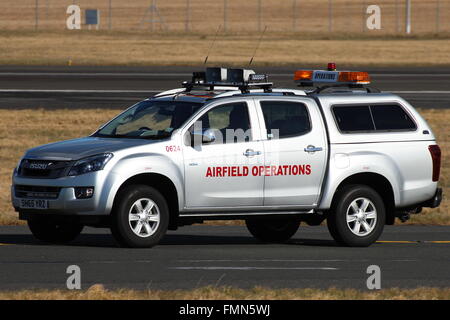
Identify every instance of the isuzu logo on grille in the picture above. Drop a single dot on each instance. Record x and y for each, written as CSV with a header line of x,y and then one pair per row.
x,y
39,166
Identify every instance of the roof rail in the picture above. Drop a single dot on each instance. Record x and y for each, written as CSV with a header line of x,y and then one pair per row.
x,y
170,92
295,92
336,87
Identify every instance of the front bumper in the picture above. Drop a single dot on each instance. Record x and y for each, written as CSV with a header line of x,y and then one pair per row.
x,y
66,203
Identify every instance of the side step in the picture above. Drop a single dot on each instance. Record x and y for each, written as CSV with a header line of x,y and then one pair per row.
x,y
243,215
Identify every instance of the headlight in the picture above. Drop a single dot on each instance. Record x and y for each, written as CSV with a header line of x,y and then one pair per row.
x,y
94,163
16,169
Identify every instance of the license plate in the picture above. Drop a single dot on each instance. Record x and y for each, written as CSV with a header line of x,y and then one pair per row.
x,y
33,204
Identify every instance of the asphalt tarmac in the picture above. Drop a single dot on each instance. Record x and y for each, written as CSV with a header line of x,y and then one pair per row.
x,y
195,256
120,87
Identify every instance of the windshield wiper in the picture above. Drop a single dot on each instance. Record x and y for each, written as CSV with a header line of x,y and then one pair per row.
x,y
150,137
155,137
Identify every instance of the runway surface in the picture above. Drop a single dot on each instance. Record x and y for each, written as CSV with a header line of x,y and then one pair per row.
x,y
195,256
119,87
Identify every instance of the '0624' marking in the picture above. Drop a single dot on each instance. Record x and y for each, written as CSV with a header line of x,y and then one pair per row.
x,y
173,148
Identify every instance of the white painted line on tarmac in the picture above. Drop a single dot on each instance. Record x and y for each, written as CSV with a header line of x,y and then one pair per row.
x,y
295,260
254,268
74,91
263,260
413,75
94,74
160,90
423,92
377,75
187,74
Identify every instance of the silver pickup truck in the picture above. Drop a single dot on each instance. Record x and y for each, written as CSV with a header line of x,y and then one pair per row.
x,y
228,145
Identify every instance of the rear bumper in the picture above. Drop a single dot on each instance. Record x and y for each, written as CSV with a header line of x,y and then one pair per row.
x,y
435,201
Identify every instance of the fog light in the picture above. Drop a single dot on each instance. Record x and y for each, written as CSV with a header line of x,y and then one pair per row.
x,y
84,192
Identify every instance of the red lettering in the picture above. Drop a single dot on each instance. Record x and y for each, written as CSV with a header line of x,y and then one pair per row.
x,y
308,169
273,170
261,170
172,148
267,171
302,169
280,171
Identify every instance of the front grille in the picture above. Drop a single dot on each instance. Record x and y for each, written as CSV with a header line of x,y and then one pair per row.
x,y
43,169
36,192
35,173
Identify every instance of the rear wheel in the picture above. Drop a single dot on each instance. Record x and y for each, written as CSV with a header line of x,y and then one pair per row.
x,y
357,217
279,230
51,231
140,217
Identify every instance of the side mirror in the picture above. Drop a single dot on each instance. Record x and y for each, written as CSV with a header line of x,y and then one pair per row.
x,y
203,137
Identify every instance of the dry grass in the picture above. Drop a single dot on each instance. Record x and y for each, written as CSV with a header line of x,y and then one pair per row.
x,y
439,121
98,292
242,16
138,48
307,43
23,129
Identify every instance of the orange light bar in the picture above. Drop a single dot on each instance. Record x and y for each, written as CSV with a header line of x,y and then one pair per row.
x,y
312,77
354,77
305,75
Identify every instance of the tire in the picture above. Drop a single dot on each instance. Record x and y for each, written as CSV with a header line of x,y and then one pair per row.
x,y
366,216
136,228
275,231
57,232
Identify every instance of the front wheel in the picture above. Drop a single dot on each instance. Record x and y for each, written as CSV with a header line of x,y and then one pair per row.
x,y
140,217
357,217
51,231
279,230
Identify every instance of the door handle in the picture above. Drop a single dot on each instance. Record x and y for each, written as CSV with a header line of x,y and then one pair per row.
x,y
251,153
312,148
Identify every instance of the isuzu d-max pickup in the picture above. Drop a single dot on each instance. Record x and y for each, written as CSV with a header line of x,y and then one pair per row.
x,y
229,145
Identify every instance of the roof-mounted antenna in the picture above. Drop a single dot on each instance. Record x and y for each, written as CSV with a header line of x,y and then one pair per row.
x,y
257,46
212,44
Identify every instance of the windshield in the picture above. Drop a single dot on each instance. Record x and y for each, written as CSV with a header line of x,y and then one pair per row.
x,y
149,120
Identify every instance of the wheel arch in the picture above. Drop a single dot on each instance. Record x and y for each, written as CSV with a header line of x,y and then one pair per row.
x,y
377,182
161,183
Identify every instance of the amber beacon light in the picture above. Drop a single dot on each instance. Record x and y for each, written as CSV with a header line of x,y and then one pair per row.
x,y
331,76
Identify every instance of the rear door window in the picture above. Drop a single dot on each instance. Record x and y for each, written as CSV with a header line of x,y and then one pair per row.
x,y
285,119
